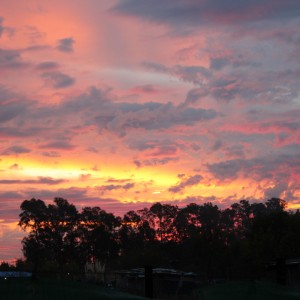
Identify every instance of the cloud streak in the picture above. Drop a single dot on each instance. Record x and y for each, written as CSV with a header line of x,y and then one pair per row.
x,y
40,180
186,182
205,12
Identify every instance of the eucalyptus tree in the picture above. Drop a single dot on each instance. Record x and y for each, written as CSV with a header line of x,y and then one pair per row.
x,y
62,225
161,218
98,234
187,222
34,219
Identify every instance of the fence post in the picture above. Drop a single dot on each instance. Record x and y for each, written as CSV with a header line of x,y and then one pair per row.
x,y
281,271
149,282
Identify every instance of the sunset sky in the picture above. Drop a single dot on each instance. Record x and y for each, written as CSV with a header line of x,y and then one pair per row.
x,y
120,104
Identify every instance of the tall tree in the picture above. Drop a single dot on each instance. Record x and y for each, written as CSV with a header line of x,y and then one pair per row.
x,y
33,218
161,217
99,234
187,222
63,220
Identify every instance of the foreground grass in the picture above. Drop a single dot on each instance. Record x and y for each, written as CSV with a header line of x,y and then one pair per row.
x,y
49,289
247,290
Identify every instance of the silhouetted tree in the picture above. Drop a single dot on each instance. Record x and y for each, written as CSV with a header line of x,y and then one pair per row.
x,y
98,234
187,222
34,219
232,242
161,217
61,224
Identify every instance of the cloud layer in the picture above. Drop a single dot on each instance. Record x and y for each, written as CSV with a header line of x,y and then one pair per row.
x,y
122,104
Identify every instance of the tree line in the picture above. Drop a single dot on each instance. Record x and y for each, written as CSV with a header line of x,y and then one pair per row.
x,y
232,243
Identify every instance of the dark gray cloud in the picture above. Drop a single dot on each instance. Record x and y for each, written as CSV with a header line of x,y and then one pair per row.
x,y
276,167
165,150
153,116
227,169
243,79
66,45
1,26
58,80
199,12
193,74
19,132
111,187
40,180
218,63
235,151
246,81
159,147
119,117
276,191
186,182
154,161
12,109
195,95
47,66
60,145
15,150
218,144
143,145
98,108
238,61
12,106
11,59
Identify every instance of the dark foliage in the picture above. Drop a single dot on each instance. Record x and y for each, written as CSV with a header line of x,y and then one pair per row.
x,y
232,243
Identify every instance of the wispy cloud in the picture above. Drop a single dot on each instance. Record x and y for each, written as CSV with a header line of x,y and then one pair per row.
x,y
40,180
186,182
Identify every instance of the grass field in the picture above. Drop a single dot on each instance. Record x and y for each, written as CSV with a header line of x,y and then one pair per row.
x,y
49,289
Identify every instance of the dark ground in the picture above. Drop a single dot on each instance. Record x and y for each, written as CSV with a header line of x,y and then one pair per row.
x,y
50,289
248,290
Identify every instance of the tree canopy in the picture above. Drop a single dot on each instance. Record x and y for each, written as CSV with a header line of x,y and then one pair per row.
x,y
231,242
